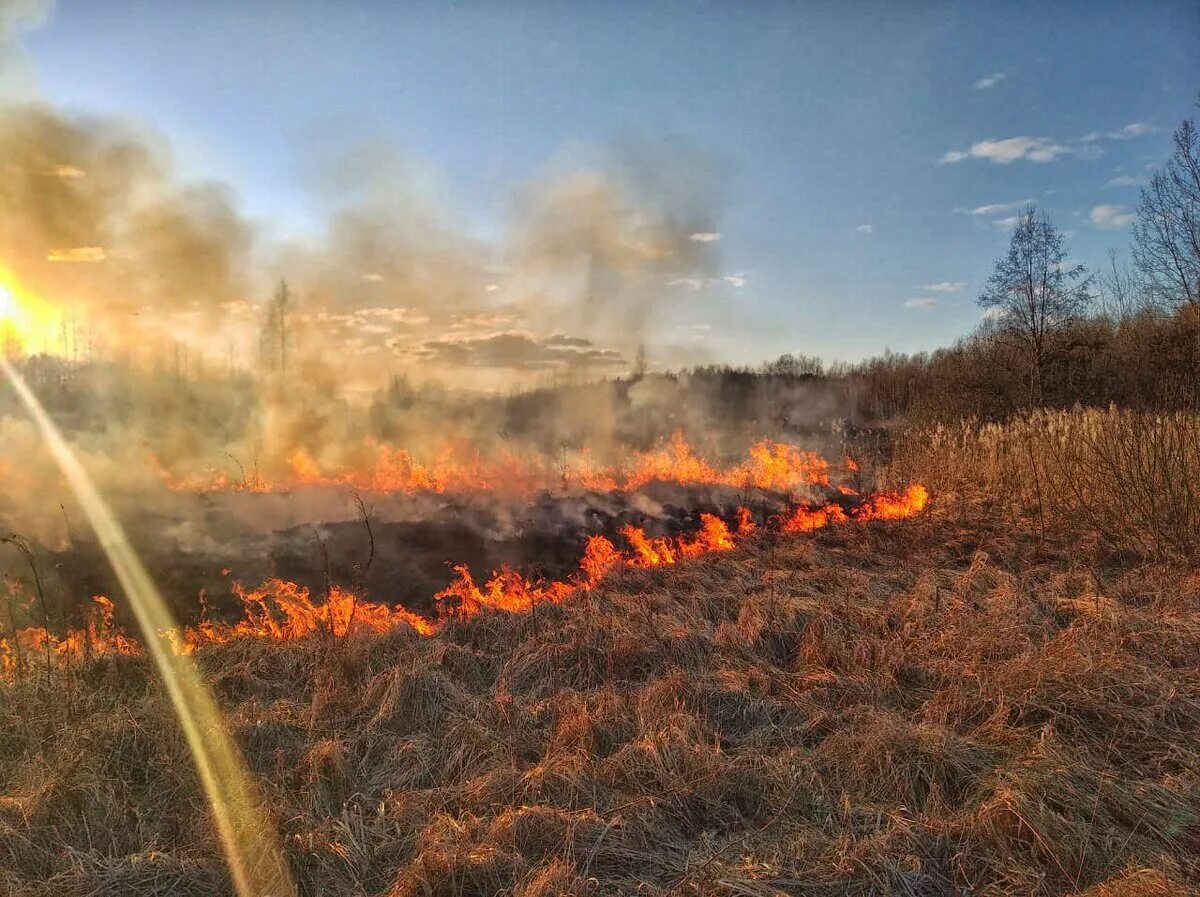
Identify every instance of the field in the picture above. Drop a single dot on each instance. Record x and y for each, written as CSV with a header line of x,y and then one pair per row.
x,y
976,700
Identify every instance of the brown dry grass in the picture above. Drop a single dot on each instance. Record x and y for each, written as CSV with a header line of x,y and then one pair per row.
x,y
916,708
1129,479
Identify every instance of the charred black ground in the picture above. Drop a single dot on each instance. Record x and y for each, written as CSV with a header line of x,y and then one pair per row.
x,y
398,561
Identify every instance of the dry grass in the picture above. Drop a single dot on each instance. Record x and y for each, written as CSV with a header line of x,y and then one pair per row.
x,y
1129,479
913,708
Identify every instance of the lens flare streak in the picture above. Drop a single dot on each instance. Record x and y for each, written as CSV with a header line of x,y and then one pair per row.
x,y
247,838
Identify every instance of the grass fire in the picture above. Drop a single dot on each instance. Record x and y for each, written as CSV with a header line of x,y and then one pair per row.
x,y
580,450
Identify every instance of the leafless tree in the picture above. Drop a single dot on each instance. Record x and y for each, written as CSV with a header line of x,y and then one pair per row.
x,y
1033,295
274,337
1166,235
1118,290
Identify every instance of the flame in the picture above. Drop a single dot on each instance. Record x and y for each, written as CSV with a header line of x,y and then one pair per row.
x,y
746,524
282,611
769,465
100,636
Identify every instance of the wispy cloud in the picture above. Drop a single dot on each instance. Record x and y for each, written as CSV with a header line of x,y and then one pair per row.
x,y
995,208
922,303
1003,151
865,228
1109,216
1006,223
989,81
738,279
1127,180
694,283
705,237
1134,129
1010,149
946,286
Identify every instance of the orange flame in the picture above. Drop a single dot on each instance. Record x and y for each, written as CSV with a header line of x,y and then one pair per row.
x,y
768,465
282,610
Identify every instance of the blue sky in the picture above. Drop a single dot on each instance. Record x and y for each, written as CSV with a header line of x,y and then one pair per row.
x,y
844,132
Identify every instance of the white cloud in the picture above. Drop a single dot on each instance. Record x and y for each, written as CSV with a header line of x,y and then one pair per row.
x,y
1110,216
946,286
1011,149
995,207
1043,149
1006,223
923,303
738,279
1127,180
705,237
989,81
1135,129
995,313
865,228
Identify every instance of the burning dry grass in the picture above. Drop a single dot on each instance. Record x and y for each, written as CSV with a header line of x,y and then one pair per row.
x,y
281,610
905,708
384,468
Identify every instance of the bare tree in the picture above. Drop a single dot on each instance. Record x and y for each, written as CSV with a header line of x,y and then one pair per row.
x,y
797,366
1118,290
1166,235
274,338
1032,294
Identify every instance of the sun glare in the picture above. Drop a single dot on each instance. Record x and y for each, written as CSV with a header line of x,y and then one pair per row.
x,y
23,314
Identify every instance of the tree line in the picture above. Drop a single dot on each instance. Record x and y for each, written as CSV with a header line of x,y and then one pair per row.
x,y
1056,335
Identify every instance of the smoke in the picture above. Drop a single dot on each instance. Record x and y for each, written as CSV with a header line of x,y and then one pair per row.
x,y
18,16
594,248
134,262
96,222
587,252
164,337
17,75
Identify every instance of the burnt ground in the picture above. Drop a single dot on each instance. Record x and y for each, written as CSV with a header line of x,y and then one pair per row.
x,y
215,541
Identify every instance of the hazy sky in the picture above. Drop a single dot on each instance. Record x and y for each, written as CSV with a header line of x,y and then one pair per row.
x,y
868,153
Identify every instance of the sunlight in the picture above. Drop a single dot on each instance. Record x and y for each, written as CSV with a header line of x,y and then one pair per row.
x,y
23,315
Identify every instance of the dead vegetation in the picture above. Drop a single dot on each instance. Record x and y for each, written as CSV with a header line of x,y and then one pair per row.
x,y
914,708
1128,479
